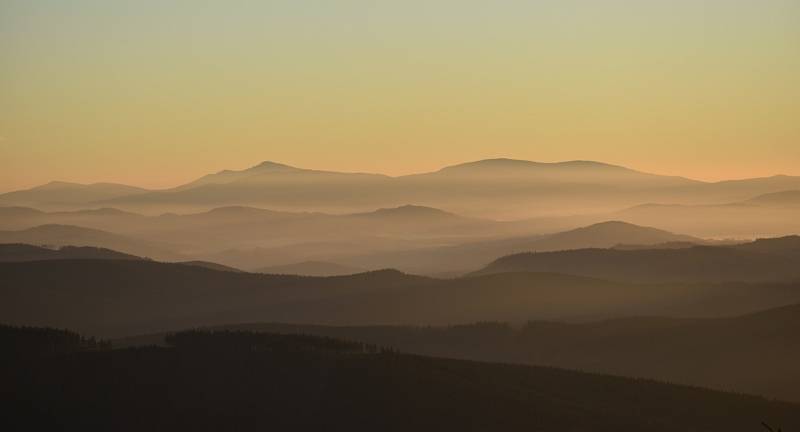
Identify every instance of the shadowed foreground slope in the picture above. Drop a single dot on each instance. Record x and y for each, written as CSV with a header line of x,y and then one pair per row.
x,y
244,381
753,354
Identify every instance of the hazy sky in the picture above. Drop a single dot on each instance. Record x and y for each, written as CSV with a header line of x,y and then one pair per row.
x,y
154,93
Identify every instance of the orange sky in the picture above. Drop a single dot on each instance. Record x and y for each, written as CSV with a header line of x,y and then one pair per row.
x,y
156,93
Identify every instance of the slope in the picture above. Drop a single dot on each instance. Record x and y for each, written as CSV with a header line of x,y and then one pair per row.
x,y
242,381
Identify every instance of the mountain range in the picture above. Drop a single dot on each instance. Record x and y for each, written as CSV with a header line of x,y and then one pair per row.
x,y
126,297
505,189
411,238
68,235
760,261
755,353
10,252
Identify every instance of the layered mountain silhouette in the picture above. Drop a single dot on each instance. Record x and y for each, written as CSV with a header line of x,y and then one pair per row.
x,y
770,260
118,298
755,353
747,219
59,194
235,226
211,266
788,246
24,252
494,188
413,238
475,254
108,219
496,181
789,198
66,235
312,268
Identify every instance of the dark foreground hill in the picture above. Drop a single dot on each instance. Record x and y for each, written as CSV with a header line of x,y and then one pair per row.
x,y
312,268
118,298
754,354
245,381
756,262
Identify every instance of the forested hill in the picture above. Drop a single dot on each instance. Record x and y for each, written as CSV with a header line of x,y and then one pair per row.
x,y
246,381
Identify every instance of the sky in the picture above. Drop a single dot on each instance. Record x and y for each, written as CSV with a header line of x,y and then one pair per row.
x,y
157,93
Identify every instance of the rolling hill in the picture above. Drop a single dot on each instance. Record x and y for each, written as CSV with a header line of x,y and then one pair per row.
x,y
247,381
606,235
694,264
210,265
108,219
67,235
744,219
312,268
18,252
755,353
60,195
241,228
502,183
493,188
790,198
470,255
118,298
412,238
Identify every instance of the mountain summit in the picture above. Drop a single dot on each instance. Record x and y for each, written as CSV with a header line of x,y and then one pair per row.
x,y
272,166
511,165
499,188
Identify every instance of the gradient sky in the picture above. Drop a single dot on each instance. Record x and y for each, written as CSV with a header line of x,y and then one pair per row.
x,y
155,93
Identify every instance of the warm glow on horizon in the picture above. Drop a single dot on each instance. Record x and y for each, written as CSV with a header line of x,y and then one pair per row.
x,y
158,93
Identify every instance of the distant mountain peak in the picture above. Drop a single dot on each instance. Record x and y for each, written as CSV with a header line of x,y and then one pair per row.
x,y
617,226
409,210
517,164
272,166
614,223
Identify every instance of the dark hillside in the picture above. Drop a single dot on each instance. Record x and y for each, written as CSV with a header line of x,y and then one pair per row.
x,y
236,381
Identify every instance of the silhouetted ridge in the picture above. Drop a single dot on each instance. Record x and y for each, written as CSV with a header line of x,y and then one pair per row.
x,y
525,165
409,210
211,266
311,268
788,246
28,343
384,275
210,381
666,245
232,341
607,234
116,297
694,264
668,349
70,185
240,210
70,235
273,166
787,198
25,252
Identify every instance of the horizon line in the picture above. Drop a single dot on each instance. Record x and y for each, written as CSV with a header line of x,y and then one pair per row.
x,y
409,174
